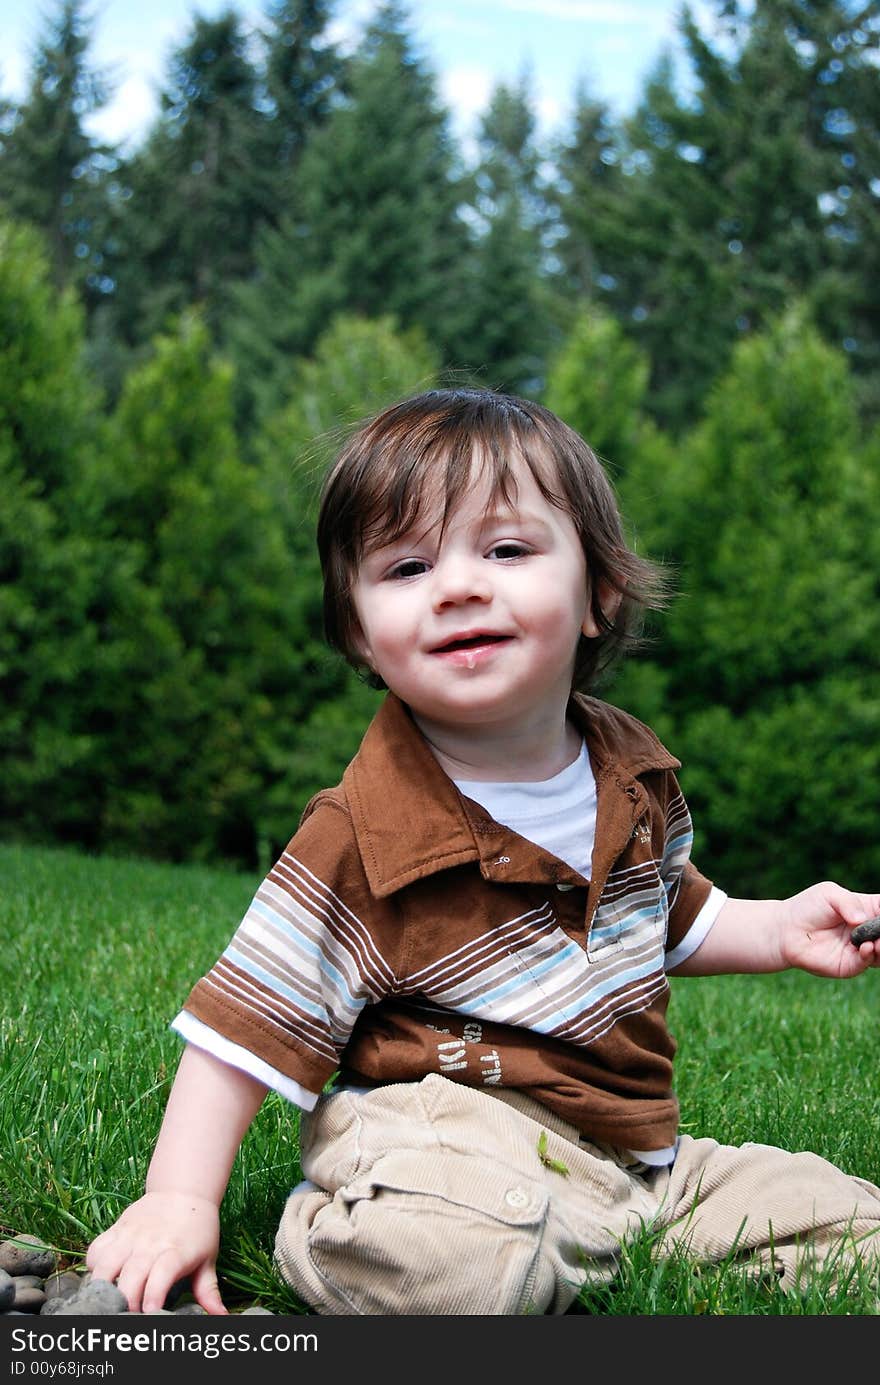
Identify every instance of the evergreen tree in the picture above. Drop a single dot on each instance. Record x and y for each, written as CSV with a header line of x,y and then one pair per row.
x,y
302,72
597,383
764,680
510,320
838,44
53,558
756,188
206,719
52,174
589,191
358,367
198,189
375,229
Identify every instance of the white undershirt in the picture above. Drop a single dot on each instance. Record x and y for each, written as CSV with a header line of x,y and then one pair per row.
x,y
558,814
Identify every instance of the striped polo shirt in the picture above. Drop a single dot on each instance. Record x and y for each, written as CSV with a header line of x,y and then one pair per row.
x,y
404,931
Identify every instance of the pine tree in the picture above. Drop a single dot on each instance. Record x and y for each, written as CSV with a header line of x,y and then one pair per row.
x,y
590,188
510,321
762,682
754,189
56,566
198,189
597,383
218,678
302,74
358,366
52,174
375,229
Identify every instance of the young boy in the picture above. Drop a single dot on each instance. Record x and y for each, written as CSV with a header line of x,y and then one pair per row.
x,y
474,929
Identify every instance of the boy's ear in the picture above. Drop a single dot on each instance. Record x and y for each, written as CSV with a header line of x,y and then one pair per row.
x,y
360,645
609,599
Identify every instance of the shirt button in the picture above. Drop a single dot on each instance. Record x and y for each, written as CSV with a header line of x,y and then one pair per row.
x,y
516,1197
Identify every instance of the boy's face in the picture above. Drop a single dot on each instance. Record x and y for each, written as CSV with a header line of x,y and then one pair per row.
x,y
479,624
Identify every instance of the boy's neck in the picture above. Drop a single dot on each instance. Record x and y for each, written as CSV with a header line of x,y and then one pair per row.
x,y
503,754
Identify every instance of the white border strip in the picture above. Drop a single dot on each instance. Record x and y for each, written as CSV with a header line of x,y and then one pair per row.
x,y
698,930
204,1037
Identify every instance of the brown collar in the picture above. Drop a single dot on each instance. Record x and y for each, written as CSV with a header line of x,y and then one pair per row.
x,y
411,821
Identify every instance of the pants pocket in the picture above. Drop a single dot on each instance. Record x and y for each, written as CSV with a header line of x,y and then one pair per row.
x,y
419,1233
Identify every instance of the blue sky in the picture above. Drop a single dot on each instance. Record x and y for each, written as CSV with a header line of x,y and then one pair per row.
x,y
470,44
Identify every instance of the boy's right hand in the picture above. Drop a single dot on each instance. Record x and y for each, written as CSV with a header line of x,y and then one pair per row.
x,y
158,1240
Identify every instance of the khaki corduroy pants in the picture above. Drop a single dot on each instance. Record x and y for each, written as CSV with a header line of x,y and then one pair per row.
x,y
435,1198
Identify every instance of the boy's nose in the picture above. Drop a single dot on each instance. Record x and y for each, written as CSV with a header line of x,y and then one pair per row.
x,y
459,580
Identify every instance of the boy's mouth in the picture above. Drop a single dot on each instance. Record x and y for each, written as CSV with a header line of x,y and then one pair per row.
x,y
475,641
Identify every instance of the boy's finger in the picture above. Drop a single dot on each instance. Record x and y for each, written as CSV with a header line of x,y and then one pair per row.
x,y
166,1270
130,1282
206,1290
105,1258
99,1247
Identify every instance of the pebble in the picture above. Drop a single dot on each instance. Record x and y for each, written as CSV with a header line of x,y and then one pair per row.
x,y
28,1298
62,1282
31,1282
27,1255
97,1298
865,932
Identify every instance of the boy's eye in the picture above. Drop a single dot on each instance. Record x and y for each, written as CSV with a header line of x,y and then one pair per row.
x,y
410,567
507,550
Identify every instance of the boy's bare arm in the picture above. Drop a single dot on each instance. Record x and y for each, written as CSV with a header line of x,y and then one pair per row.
x,y
174,1229
811,930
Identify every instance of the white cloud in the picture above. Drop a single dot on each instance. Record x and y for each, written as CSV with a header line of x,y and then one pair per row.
x,y
551,111
14,75
468,87
466,90
347,27
129,114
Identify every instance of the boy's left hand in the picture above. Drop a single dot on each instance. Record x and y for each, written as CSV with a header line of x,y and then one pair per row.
x,y
816,929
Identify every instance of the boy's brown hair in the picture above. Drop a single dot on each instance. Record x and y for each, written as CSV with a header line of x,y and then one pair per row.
x,y
399,462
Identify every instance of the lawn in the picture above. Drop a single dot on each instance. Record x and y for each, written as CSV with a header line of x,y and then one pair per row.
x,y
98,954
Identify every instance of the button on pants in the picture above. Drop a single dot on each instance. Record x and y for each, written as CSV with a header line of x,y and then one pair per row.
x,y
435,1198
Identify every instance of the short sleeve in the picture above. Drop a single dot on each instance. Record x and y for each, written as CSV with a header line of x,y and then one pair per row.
x,y
309,954
687,889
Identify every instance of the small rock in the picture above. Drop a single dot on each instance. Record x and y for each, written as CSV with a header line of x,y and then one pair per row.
x,y
189,1309
62,1284
54,1305
29,1281
7,1290
27,1255
28,1298
254,1309
96,1297
865,932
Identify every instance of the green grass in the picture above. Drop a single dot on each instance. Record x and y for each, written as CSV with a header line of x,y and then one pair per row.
x,y
97,955
96,958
